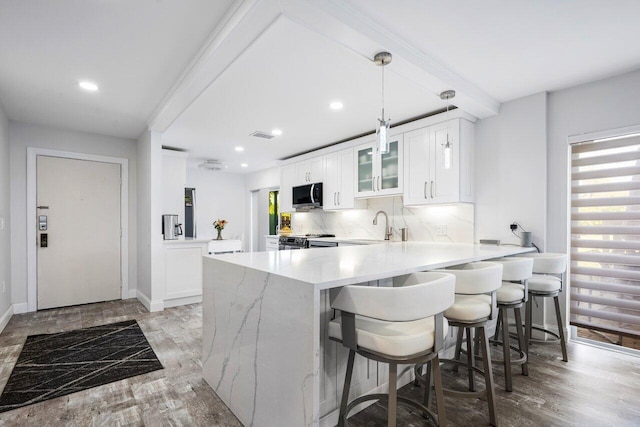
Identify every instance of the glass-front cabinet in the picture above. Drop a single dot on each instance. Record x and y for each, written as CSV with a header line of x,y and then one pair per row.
x,y
379,174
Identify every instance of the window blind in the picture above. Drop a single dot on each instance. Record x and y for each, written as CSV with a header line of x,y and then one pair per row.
x,y
605,235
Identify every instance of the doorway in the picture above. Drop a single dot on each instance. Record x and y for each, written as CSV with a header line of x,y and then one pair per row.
x,y
78,255
121,218
264,216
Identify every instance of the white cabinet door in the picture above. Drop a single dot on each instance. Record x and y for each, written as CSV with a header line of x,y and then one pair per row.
x,y
417,184
445,175
272,243
339,180
346,180
379,174
287,181
332,184
310,171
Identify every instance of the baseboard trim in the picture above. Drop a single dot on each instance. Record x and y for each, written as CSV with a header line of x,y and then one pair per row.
x,y
20,308
149,304
182,301
6,317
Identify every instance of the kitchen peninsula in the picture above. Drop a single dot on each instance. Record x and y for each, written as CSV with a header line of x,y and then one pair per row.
x,y
265,314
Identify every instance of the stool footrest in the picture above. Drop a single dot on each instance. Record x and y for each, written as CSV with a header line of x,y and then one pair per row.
x,y
427,413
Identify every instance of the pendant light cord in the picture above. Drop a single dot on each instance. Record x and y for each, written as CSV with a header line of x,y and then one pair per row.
x,y
383,92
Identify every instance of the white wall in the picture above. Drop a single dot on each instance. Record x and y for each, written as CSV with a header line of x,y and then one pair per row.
x,y
511,171
219,195
5,245
602,105
150,250
22,136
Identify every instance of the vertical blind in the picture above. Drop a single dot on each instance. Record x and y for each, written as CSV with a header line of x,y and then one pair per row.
x,y
605,235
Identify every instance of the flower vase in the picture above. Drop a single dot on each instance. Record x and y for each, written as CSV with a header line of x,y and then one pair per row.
x,y
219,235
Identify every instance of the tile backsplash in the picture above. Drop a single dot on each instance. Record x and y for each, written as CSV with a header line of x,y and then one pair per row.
x,y
423,222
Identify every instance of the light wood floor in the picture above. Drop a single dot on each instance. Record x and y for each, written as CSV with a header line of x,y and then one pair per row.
x,y
596,388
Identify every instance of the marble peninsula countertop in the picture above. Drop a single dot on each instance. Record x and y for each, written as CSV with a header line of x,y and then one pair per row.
x,y
327,268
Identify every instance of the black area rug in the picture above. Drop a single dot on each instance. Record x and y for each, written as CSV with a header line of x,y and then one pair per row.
x,y
54,365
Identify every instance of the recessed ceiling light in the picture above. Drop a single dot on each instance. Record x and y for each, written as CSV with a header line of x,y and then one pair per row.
x,y
276,132
88,86
238,148
243,165
336,105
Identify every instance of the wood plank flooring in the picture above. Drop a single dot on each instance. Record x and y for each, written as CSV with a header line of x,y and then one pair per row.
x,y
596,388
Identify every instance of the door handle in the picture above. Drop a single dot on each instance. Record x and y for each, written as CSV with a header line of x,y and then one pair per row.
x,y
432,189
338,198
334,199
425,189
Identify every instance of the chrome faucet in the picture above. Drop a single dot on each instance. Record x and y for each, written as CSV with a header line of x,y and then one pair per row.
x,y
387,230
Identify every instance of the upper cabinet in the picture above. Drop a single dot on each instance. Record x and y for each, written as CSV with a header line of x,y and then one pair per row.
x,y
338,186
379,174
310,171
431,174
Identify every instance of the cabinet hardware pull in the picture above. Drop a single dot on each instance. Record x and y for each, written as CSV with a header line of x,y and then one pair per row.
x,y
334,199
338,198
373,183
432,189
379,188
425,189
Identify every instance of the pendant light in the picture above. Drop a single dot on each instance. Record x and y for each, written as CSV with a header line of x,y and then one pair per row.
x,y
382,130
448,147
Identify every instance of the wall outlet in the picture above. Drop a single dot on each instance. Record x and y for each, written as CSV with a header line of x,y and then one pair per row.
x,y
441,230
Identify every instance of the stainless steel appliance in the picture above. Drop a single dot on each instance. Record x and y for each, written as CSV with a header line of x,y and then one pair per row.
x,y
319,244
307,196
171,229
287,243
189,212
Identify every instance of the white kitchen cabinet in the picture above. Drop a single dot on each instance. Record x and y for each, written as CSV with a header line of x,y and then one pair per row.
x,y
338,187
287,181
310,171
379,174
183,272
428,179
272,243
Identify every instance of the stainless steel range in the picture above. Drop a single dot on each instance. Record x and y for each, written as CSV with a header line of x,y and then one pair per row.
x,y
293,242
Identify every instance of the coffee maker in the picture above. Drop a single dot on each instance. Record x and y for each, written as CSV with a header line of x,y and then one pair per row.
x,y
171,229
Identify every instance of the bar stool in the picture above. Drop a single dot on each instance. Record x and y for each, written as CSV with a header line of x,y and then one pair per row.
x,y
475,304
547,281
394,325
512,295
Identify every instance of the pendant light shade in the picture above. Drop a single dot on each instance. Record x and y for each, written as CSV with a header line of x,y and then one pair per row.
x,y
382,129
447,146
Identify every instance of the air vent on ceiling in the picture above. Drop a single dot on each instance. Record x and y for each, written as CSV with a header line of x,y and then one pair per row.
x,y
212,165
259,134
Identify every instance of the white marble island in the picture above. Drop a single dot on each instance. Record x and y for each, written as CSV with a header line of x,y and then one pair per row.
x,y
264,316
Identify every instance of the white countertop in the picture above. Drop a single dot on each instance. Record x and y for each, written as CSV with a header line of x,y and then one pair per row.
x,y
186,240
339,266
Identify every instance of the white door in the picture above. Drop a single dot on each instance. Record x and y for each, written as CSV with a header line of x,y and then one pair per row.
x,y
331,184
417,186
81,261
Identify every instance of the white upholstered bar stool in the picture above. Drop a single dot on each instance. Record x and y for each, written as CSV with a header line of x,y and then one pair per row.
x,y
513,294
547,282
394,325
475,304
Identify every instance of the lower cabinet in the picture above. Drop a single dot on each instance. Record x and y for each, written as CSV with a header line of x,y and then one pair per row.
x,y
183,272
367,374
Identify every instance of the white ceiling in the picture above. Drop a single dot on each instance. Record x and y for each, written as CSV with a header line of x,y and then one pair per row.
x,y
278,63
134,50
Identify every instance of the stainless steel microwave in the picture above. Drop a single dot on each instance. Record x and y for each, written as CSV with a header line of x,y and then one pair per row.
x,y
307,196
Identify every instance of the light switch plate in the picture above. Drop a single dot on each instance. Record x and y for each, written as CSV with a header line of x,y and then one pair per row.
x,y
441,230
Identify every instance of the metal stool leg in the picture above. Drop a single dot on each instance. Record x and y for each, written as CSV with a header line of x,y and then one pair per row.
x,y
437,382
528,321
506,350
393,395
496,336
342,420
563,343
521,341
470,360
458,348
427,377
488,375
